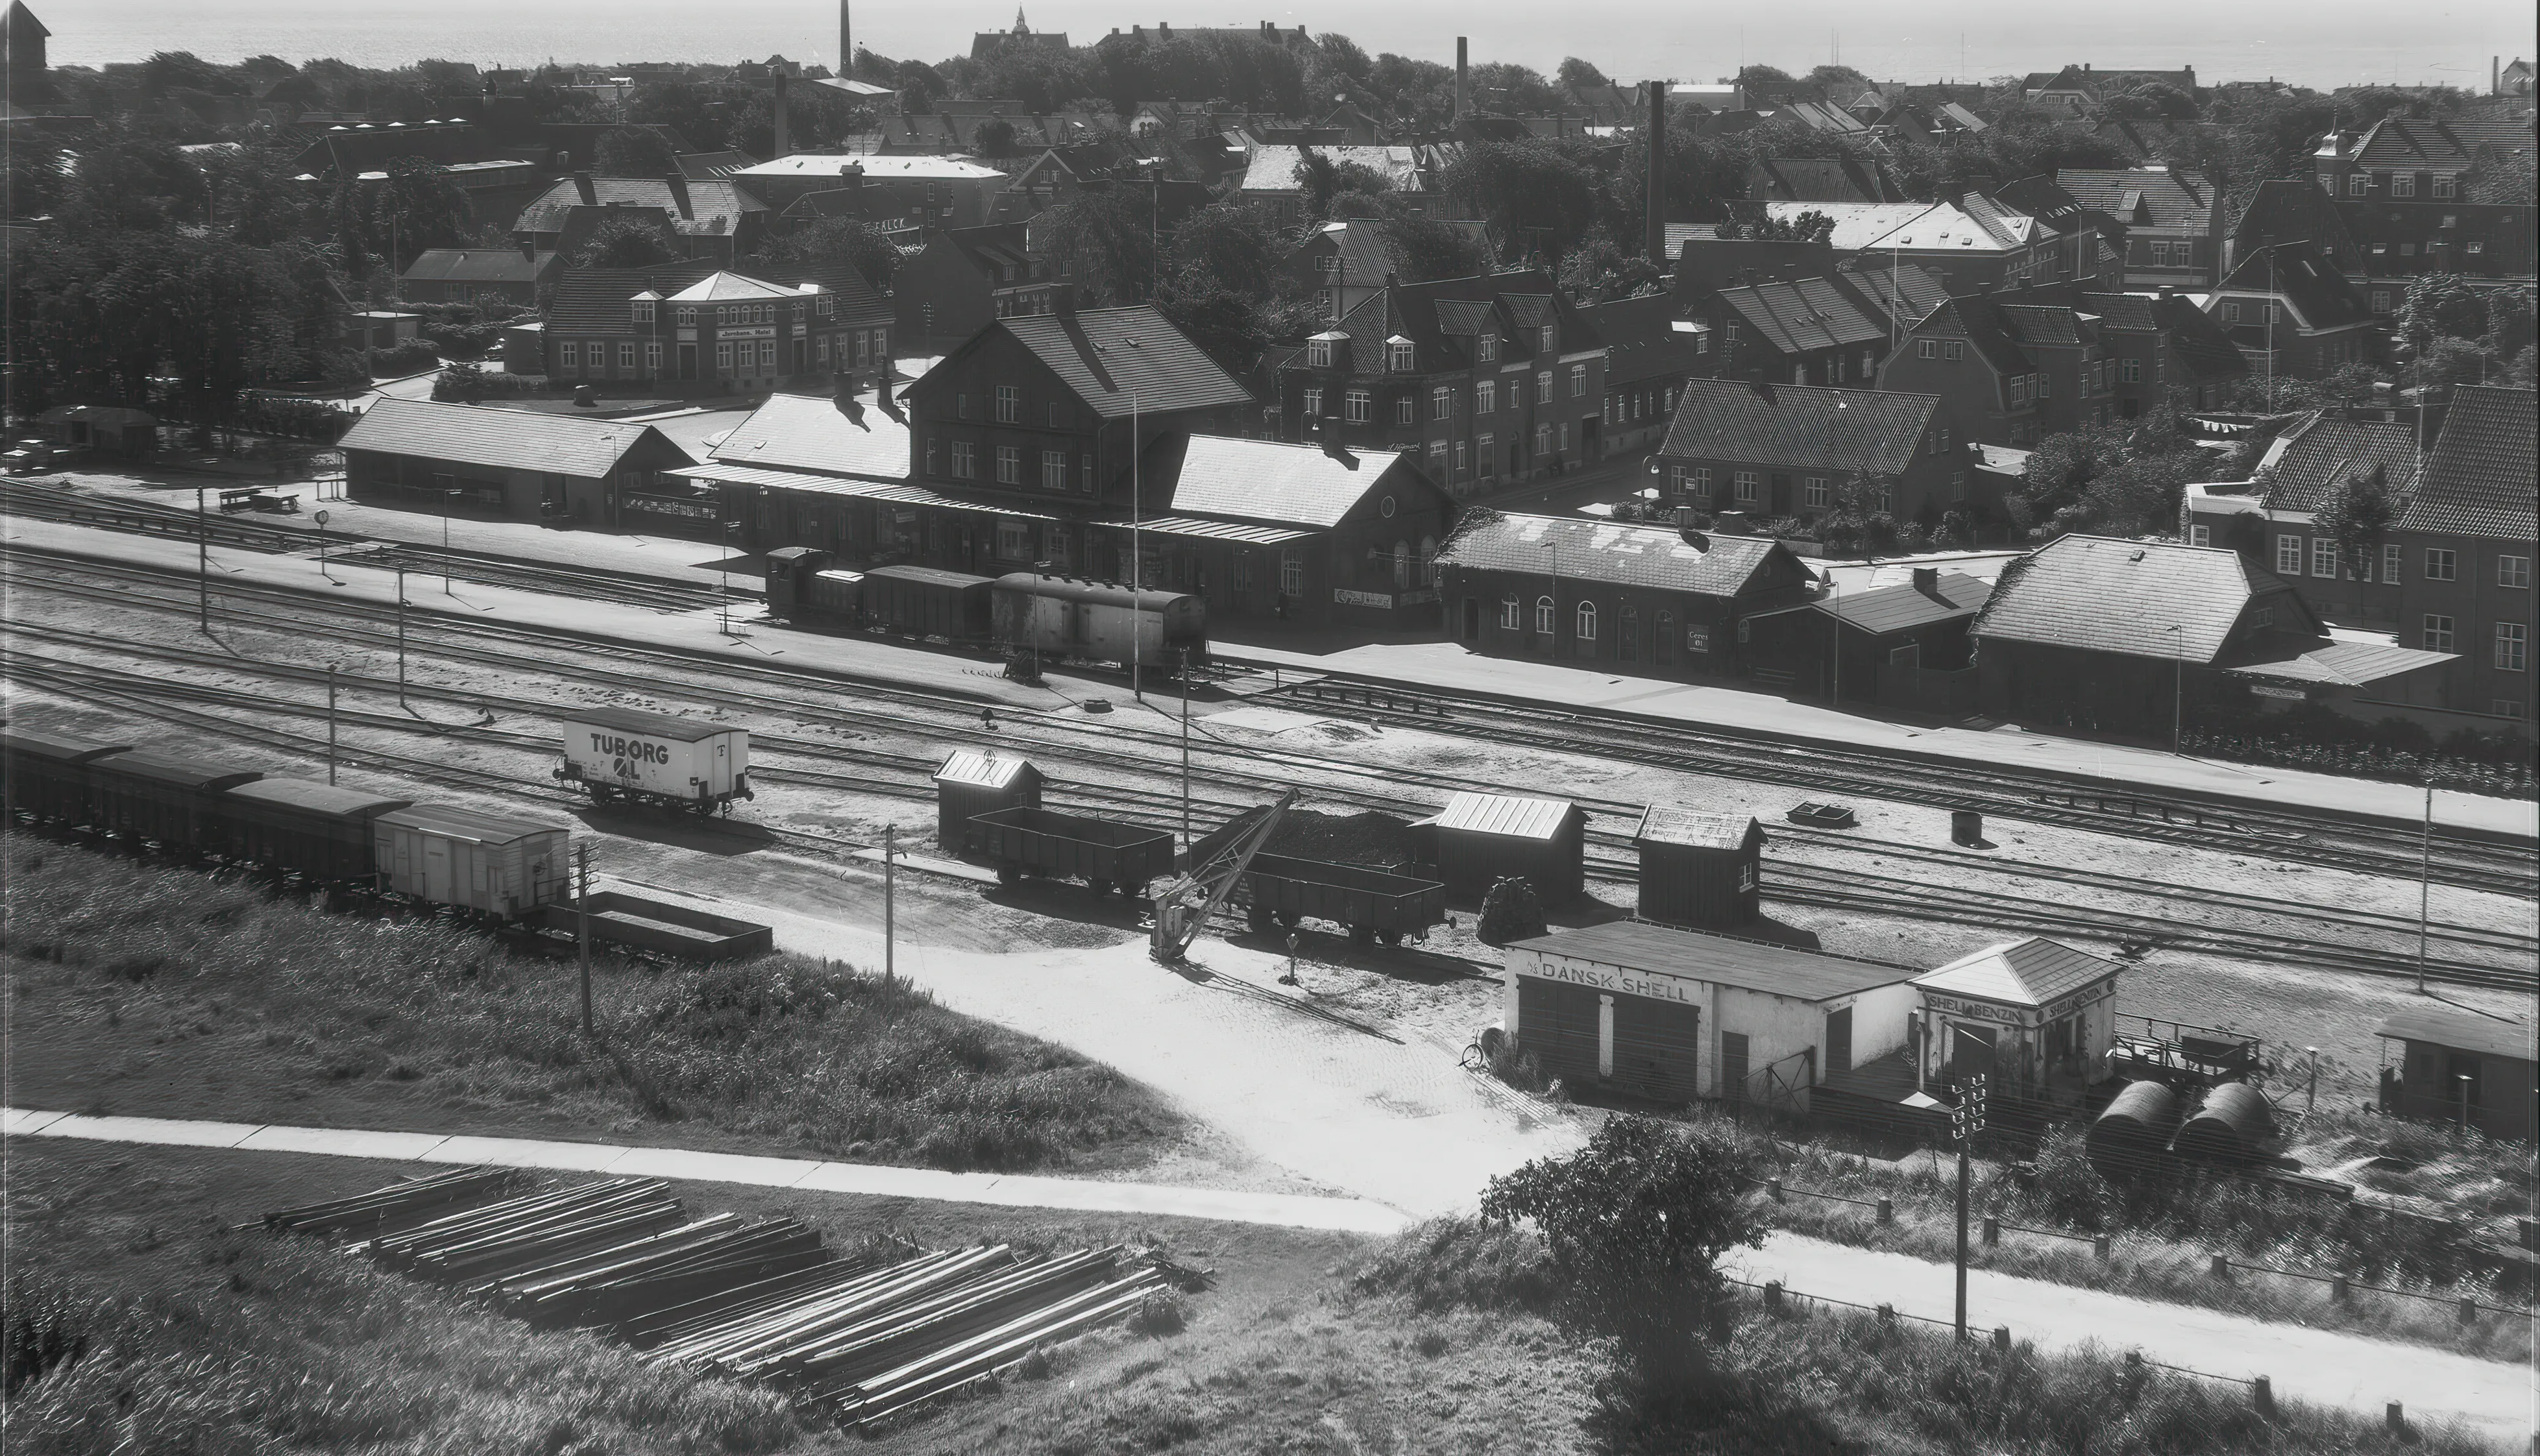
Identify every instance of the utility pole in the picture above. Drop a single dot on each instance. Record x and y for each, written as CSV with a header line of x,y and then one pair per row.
x,y
1965,1122
331,724
582,932
1187,834
400,614
203,564
1137,556
2425,884
889,858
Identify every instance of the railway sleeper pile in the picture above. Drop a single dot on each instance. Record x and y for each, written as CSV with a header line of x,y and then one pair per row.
x,y
859,1336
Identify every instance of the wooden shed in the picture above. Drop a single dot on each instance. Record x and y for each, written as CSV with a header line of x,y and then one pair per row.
x,y
1479,839
1699,870
2459,1067
978,780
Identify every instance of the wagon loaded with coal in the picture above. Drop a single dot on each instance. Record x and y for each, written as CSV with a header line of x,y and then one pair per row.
x,y
1035,844
1283,890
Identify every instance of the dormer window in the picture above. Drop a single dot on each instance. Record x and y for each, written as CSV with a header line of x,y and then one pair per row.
x,y
1544,338
829,305
643,311
1489,345
1398,354
1318,353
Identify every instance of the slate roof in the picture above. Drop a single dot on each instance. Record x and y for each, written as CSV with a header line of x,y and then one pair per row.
x,y
2407,143
1802,426
1823,179
1586,549
1693,829
1747,965
2098,593
1273,167
2303,277
1641,341
2478,476
1905,607
2287,211
1105,354
795,432
1804,315
1505,814
2143,196
499,439
2461,1031
1265,480
2020,973
478,265
2306,462
697,208
1444,317
1891,283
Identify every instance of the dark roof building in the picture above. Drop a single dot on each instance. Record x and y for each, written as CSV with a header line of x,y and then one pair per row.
x,y
2290,310
1648,359
1765,450
464,275
1845,179
2169,218
2454,1067
504,464
714,220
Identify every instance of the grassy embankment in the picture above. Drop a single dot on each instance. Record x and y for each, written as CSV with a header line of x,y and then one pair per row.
x,y
165,991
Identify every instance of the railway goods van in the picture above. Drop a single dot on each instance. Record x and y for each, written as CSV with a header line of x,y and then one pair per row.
x,y
1100,621
621,753
1277,890
803,587
1022,842
51,777
161,797
922,602
314,830
491,863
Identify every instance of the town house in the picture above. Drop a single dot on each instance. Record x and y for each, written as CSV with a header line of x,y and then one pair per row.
x,y
2014,367
1770,450
695,330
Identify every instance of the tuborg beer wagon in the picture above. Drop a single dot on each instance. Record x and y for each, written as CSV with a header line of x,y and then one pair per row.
x,y
621,753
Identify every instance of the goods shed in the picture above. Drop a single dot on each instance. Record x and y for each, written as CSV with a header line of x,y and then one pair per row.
x,y
1673,1015
1479,839
2461,1068
974,782
1699,870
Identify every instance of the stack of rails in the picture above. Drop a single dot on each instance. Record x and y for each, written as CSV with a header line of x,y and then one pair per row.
x,y
758,1299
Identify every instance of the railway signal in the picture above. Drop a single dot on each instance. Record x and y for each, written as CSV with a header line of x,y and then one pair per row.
x,y
1965,1121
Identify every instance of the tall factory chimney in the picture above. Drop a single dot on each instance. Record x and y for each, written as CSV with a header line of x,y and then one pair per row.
x,y
846,44
781,148
1655,130
1463,90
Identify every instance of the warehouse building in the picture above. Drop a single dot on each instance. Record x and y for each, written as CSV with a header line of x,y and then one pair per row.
x,y
1480,839
1902,646
1672,1015
522,466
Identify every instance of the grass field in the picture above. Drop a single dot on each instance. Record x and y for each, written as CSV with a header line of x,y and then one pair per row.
x,y
165,991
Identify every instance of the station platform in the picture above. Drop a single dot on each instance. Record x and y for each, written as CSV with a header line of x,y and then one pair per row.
x,y
1446,666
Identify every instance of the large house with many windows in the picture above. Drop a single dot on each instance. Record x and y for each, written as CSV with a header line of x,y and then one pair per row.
x,y
2466,543
695,330
1770,450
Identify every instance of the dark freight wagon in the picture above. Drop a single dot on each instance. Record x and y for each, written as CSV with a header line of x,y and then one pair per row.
x,y
159,796
308,829
922,602
1372,904
973,782
1699,870
1480,839
801,587
1033,842
53,778
489,862
1100,621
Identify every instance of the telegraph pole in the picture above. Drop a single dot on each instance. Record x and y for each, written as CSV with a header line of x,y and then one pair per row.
x,y
582,940
1965,1122
2425,884
889,858
203,564
401,637
1187,834
331,724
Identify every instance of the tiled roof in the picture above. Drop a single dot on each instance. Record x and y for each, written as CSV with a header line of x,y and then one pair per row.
x,y
2134,312
2405,143
1905,607
1693,829
2478,476
1823,179
1804,315
706,208
2303,277
2166,197
1800,426
2287,211
498,439
1641,341
2096,594
1444,317
1886,282
1585,549
2306,462
1266,480
477,266
1721,960
2020,973
2055,325
1107,355
1506,813
795,432
1273,167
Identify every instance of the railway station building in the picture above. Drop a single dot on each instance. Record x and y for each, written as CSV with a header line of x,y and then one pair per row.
x,y
513,464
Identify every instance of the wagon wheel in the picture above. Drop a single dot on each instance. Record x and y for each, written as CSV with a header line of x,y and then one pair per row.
x,y
1361,935
1008,875
1099,887
1390,937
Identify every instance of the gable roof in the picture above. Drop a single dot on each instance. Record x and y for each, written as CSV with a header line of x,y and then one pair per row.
x,y
1265,480
1444,317
1799,425
1628,555
1510,815
1108,356
2098,593
2303,277
1904,606
1906,291
873,166
694,207
1804,315
479,265
2407,143
499,439
2020,973
1721,960
1969,225
1641,339
2478,478
1694,829
595,300
2286,211
2306,462
2143,196
1846,179
1272,168
797,432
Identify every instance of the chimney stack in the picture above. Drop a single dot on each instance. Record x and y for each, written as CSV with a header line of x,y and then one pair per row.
x,y
846,44
1463,92
781,148
1655,234
582,188
2495,75
1926,578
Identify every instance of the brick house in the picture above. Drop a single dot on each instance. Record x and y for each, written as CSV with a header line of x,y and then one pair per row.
x,y
1824,330
1647,358
1488,380
1644,599
2169,220
2268,519
695,330
2014,367
1787,451
967,278
2164,351
2466,544
2290,310
469,275
715,221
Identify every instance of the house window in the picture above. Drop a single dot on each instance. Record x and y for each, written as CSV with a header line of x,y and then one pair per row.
x,y
1462,464
2446,187
1586,630
643,311
1358,406
2289,556
965,460
1292,573
829,305
2513,570
572,355
1578,381
1486,396
2505,706
1561,437
1406,411
1009,404
1441,403
1800,372
1313,403
1010,464
2439,634
1318,352
2038,386
1543,387
2263,616
1436,460
1488,447
1818,497
1401,354
820,350
1543,615
687,317
2323,556
882,346
2200,535
1542,441
1702,482
1544,338
1747,484
1327,264
1511,614
1868,364
1053,469
627,357
723,359
2159,253
2130,370
932,467
1926,349
2357,185
2442,563
2390,565
1954,351
1014,540
767,356
653,357
2404,184
1489,348
2512,645
1244,573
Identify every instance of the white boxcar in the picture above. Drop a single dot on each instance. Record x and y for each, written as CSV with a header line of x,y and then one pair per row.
x,y
621,753
489,862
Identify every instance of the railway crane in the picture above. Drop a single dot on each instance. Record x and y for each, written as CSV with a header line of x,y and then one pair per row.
x,y
1218,862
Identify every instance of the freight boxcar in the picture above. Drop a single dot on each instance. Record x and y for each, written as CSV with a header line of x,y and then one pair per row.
x,y
492,864
1278,889
922,602
621,753
51,777
1100,621
803,588
1023,842
313,830
159,796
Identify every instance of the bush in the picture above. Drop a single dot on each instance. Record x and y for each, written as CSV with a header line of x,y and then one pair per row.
x,y
1458,1263
465,383
1510,912
414,356
1159,1314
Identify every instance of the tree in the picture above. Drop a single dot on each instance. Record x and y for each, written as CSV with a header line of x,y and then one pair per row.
x,y
634,151
1575,74
1766,83
2358,513
1635,1223
994,137
1423,249
1238,243
1807,226
1840,83
1599,270
2154,99
639,241
2440,306
417,207
1541,195
857,243
1108,237
1510,912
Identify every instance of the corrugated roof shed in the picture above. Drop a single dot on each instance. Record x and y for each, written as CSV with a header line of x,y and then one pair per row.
x,y
1800,426
1106,355
2347,663
1748,965
1585,549
981,768
1265,480
2096,594
498,439
1661,824
2463,1032
1507,814
2020,973
2478,476
794,432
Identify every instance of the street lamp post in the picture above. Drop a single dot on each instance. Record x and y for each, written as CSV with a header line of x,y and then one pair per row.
x,y
449,499
320,518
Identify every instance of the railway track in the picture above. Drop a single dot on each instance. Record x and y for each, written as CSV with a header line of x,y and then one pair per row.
x,y
2328,943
